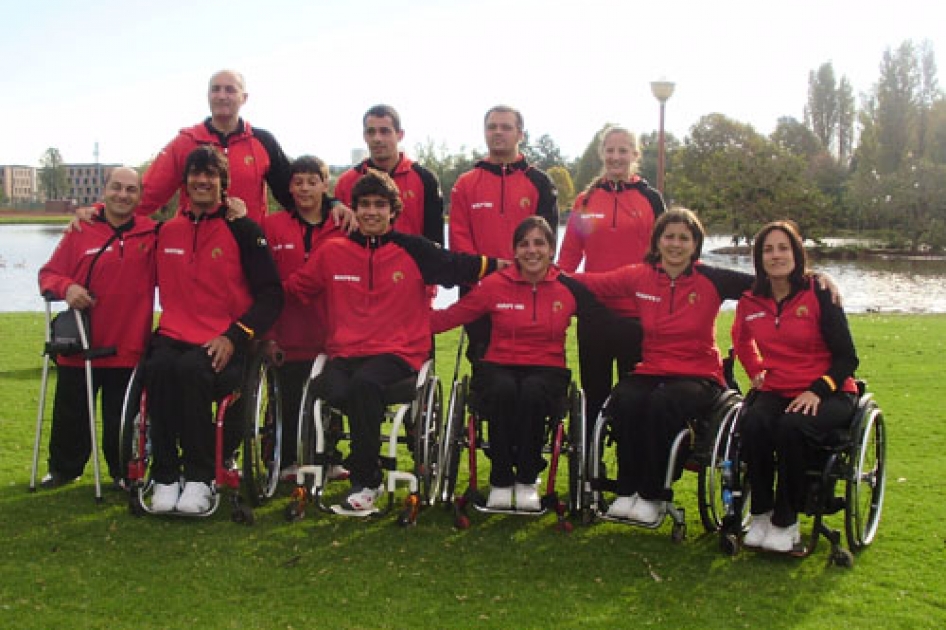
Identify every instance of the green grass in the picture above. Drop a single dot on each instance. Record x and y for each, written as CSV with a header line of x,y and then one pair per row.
x,y
66,562
22,219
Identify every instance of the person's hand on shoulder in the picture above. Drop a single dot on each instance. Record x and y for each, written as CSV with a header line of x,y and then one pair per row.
x,y
236,208
82,215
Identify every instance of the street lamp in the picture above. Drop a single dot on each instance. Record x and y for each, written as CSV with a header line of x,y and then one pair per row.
x,y
662,90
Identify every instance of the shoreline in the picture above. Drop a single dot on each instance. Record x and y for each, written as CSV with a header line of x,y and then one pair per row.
x,y
842,252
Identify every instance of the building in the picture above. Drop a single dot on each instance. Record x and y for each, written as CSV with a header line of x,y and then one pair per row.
x,y
19,184
87,181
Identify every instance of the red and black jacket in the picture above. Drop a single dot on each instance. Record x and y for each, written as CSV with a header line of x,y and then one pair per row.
x,y
678,315
215,277
255,159
375,291
610,227
122,284
490,201
528,321
300,329
802,343
420,194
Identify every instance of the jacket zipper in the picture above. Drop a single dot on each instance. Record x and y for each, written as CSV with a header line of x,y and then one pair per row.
x,y
502,192
535,293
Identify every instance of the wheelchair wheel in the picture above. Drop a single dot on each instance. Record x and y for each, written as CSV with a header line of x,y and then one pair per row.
x,y
867,478
428,423
722,473
262,441
134,438
453,440
576,451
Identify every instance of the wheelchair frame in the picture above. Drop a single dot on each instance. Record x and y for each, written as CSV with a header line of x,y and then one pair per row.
x,y
321,427
252,469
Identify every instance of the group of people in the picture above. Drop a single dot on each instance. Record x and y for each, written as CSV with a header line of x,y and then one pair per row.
x,y
352,275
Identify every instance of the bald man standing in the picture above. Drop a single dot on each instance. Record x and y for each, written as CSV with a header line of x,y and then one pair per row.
x,y
107,269
254,155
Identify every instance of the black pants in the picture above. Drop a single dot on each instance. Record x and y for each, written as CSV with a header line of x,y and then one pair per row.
x,y
70,442
773,440
292,378
182,387
517,400
650,411
600,347
356,386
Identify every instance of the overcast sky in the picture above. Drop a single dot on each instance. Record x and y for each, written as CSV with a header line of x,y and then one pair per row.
x,y
128,75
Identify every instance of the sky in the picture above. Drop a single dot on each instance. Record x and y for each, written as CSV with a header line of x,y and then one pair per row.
x,y
127,75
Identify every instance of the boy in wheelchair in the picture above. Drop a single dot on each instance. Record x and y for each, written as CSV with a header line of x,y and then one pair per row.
x,y
219,289
374,283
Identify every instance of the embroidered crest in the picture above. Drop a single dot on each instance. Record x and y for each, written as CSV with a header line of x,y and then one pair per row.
x,y
525,202
216,253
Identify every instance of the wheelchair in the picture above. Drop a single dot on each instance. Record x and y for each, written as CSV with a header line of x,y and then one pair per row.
x,y
700,447
467,429
250,472
68,333
414,404
858,458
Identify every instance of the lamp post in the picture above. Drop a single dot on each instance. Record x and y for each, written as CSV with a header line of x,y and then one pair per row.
x,y
662,90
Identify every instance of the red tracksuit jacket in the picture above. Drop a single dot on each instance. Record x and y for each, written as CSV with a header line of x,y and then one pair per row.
x,y
300,329
374,289
678,315
490,201
122,284
802,343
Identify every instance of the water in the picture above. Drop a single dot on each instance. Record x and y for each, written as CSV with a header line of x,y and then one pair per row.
x,y
894,285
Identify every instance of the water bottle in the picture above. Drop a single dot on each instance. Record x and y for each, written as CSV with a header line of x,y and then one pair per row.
x,y
727,485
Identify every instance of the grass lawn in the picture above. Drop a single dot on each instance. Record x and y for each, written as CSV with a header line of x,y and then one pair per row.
x,y
66,562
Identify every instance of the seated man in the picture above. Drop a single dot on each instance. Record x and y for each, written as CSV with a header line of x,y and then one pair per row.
x,y
219,289
378,316
109,270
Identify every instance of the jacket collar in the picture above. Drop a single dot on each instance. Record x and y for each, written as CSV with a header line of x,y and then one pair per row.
x,y
499,169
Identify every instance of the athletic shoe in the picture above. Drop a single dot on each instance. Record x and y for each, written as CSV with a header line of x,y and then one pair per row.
x,y
499,498
196,498
527,497
337,472
782,539
165,495
758,529
55,480
645,511
622,506
361,499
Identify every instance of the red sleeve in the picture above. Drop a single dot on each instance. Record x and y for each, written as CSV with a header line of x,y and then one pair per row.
x,y
57,275
461,237
307,281
344,185
468,309
620,282
573,246
164,176
746,349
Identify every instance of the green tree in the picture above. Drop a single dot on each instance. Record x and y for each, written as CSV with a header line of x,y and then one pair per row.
x,y
565,186
53,178
796,138
821,112
544,153
650,148
846,120
445,165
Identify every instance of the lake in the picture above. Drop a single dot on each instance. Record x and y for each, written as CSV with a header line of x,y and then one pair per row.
x,y
893,285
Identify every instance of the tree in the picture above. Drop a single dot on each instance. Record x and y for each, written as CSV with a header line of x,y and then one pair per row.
x,y
650,148
796,138
53,178
445,165
821,112
566,189
846,119
544,154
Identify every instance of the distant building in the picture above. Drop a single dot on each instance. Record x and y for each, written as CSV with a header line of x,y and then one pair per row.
x,y
18,184
87,181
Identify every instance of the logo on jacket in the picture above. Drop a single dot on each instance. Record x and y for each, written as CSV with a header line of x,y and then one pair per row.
x,y
693,298
339,277
216,253
143,248
247,160
801,311
755,316
408,194
479,205
557,306
397,276
174,250
509,306
525,202
646,296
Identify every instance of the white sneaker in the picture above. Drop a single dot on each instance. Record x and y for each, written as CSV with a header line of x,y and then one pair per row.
x,y
645,511
621,507
337,472
782,539
195,499
361,499
500,498
527,497
165,496
758,529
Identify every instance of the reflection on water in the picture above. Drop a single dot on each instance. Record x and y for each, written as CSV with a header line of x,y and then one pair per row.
x,y
912,286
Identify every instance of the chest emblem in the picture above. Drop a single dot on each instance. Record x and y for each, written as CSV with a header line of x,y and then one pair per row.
x,y
525,202
408,194
801,312
557,306
397,276
693,297
216,253
247,160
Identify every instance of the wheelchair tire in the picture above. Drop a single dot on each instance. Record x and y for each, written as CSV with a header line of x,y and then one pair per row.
x,y
427,440
867,478
134,439
714,481
262,442
577,502
453,440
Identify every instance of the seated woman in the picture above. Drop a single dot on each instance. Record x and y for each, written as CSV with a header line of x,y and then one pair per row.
x,y
796,347
523,373
680,373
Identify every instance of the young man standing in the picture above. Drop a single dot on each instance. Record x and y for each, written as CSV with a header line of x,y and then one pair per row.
x,y
419,188
108,269
219,290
